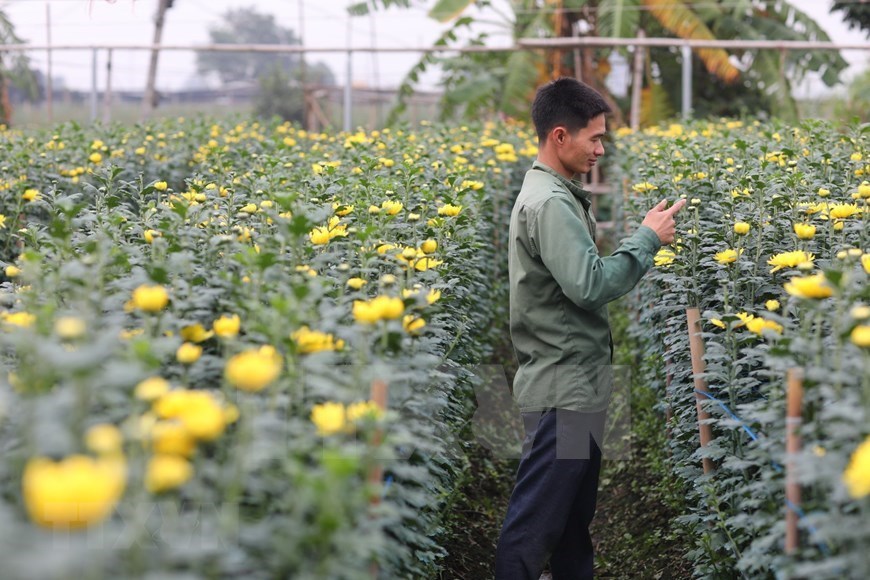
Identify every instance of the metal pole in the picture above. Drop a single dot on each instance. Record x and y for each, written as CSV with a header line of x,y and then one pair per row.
x,y
306,109
687,81
94,86
107,98
578,63
348,92
637,84
49,88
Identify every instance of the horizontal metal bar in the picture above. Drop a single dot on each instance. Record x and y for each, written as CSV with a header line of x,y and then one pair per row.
x,y
278,48
581,41
523,44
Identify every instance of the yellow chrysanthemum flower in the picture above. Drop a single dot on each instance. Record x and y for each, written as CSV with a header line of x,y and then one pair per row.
x,y
449,210
151,389
253,370
857,473
759,325
319,236
424,264
342,210
70,327
150,298
364,410
329,418
860,335
201,413
805,231
412,324
790,260
664,257
195,333
815,286
379,308
188,353
20,319
73,493
741,228
392,207
168,437
429,246
843,211
167,472
727,256
104,439
31,195
356,283
227,326
643,187
309,341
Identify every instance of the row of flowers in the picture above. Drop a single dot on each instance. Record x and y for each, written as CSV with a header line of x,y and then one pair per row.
x,y
192,325
773,249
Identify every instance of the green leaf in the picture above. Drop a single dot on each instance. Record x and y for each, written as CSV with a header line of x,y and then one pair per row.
x,y
446,10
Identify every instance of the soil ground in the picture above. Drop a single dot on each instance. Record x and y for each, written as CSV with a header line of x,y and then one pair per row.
x,y
638,499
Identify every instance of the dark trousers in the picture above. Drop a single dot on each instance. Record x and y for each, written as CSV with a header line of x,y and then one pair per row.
x,y
553,501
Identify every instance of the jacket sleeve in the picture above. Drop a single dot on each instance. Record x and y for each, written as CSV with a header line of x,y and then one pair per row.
x,y
568,251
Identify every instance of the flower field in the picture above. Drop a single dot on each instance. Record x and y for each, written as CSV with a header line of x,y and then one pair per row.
x,y
240,349
771,250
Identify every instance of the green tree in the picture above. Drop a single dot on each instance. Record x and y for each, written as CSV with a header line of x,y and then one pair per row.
x,y
248,26
14,69
856,14
278,75
280,92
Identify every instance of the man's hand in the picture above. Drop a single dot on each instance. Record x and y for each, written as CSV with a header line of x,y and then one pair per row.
x,y
661,220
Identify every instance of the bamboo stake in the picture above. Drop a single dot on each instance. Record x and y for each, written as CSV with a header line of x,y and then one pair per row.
x,y
379,398
376,473
696,346
794,379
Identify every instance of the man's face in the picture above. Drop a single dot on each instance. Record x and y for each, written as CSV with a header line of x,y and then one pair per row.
x,y
584,147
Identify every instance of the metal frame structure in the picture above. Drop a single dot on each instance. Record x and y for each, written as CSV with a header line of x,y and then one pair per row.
x,y
575,42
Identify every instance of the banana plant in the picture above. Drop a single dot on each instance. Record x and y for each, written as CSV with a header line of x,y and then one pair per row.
x,y
502,82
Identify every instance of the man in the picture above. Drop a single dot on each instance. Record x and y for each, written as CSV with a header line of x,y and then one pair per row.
x,y
560,288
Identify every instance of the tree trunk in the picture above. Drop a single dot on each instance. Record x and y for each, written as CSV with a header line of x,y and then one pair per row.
x,y
5,105
149,100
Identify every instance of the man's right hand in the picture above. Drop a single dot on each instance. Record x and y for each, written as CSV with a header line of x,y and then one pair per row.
x,y
661,220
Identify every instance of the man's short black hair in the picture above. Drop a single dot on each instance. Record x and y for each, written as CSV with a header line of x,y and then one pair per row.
x,y
565,101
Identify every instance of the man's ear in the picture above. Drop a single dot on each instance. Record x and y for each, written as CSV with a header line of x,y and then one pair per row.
x,y
558,135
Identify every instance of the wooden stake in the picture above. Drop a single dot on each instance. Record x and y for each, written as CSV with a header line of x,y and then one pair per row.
x,y
794,380
696,346
379,398
376,473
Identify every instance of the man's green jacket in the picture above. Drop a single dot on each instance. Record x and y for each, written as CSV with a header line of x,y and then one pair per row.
x,y
559,290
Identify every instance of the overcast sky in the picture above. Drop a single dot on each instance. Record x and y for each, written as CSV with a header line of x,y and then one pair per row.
x,y
323,23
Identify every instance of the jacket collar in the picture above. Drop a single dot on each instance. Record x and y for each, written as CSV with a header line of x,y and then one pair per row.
x,y
572,185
